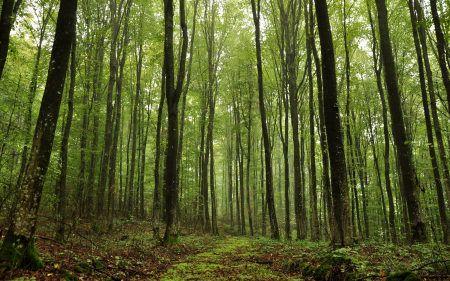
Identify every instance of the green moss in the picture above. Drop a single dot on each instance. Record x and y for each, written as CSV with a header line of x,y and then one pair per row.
x,y
403,276
18,251
171,239
332,266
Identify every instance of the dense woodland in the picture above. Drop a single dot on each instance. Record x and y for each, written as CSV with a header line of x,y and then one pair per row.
x,y
316,124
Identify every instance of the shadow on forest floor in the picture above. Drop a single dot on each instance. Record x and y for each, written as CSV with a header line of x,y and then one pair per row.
x,y
131,253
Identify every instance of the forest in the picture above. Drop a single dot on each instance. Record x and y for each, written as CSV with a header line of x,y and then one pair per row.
x,y
225,140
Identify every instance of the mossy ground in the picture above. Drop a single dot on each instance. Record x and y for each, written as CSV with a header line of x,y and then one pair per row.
x,y
131,253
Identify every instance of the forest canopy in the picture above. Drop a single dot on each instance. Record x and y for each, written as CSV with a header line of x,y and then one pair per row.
x,y
277,125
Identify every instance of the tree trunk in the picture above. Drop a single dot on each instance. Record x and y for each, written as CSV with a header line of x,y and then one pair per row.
x,y
97,89
114,25
377,170
249,147
429,129
434,110
7,18
60,189
340,192
22,222
156,192
401,139
134,137
315,230
212,183
172,97
323,138
387,176
440,43
186,88
256,10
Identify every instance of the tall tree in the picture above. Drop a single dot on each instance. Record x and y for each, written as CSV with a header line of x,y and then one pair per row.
x,y
315,231
270,201
428,125
60,188
339,186
401,138
377,67
441,48
18,247
115,11
173,93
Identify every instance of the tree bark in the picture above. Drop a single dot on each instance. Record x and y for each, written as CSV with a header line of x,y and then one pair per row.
x,y
60,189
7,18
156,192
23,220
431,90
428,125
97,88
339,186
387,177
401,139
256,11
315,230
173,93
440,44
323,138
114,25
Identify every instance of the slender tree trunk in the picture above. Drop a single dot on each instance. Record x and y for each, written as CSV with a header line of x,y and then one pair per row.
x,y
204,160
401,139
121,188
142,212
429,129
208,154
315,230
249,147
114,25
236,183
431,90
186,88
81,189
134,136
156,193
212,182
97,89
117,122
361,171
240,162
377,170
387,176
60,189
263,197
230,180
256,10
440,44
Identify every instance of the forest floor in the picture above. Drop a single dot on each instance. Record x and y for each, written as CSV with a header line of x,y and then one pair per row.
x,y
131,253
